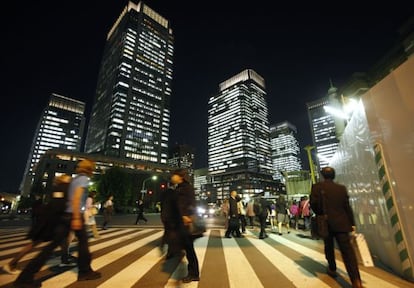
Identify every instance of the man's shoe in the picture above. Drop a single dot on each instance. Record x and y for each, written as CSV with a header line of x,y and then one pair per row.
x,y
70,262
332,273
189,278
11,270
91,275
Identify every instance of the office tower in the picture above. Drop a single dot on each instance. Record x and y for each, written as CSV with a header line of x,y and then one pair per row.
x,y
182,156
285,149
201,178
326,128
61,126
131,113
238,134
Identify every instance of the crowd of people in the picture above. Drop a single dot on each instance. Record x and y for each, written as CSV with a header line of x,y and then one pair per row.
x,y
71,211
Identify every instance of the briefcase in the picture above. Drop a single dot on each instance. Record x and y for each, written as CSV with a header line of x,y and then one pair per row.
x,y
361,250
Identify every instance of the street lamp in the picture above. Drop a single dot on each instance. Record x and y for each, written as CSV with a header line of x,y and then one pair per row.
x,y
143,190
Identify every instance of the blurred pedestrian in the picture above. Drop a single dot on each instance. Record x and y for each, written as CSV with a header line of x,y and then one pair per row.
x,y
108,211
172,222
72,219
335,202
250,213
186,206
140,215
282,211
294,214
262,209
90,211
45,218
234,222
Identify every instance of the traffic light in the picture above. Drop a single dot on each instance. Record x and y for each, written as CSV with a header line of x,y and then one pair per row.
x,y
149,192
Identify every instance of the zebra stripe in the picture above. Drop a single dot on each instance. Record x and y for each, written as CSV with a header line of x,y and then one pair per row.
x,y
388,193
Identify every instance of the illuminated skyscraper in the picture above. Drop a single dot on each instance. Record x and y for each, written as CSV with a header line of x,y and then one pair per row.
x,y
182,156
326,129
131,113
238,135
61,126
285,149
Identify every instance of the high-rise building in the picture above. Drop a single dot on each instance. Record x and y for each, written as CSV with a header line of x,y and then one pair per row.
x,y
61,126
238,135
285,149
326,128
182,156
131,113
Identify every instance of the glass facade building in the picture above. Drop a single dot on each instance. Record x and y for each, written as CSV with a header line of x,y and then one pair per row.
x,y
326,128
285,149
61,126
131,113
238,134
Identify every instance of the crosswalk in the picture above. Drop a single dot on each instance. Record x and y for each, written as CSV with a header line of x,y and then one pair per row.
x,y
131,257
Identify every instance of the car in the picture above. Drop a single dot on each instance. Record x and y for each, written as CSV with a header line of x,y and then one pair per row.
x,y
206,211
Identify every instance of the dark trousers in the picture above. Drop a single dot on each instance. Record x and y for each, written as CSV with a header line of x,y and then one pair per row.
x,y
140,216
191,256
107,218
60,235
243,222
347,252
262,221
233,227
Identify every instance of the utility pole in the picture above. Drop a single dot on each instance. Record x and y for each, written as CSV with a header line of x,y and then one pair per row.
x,y
308,149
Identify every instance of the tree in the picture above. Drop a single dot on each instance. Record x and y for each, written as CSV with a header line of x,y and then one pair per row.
x,y
116,182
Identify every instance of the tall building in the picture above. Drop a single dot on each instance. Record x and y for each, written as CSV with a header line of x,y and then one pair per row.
x,y
238,135
61,126
201,178
326,128
285,149
131,113
182,156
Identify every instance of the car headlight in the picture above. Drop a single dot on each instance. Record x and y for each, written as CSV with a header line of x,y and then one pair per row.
x,y
211,211
201,210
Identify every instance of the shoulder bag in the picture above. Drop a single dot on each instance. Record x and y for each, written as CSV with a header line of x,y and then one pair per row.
x,y
320,222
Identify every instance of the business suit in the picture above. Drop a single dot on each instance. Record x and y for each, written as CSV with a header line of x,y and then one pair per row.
x,y
340,222
233,225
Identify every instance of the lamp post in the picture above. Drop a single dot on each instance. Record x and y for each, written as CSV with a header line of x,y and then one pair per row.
x,y
143,190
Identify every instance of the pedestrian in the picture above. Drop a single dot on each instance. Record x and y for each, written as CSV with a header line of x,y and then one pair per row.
x,y
108,211
294,213
242,216
225,212
186,206
250,213
72,219
45,218
90,212
262,209
140,215
305,209
234,222
341,222
282,211
171,220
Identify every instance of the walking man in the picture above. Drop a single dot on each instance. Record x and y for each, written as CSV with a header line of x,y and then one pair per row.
x,y
140,215
341,222
71,220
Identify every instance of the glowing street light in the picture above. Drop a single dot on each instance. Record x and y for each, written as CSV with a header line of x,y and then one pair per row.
x,y
143,190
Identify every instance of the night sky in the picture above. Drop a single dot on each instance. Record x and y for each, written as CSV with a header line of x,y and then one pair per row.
x,y
56,47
